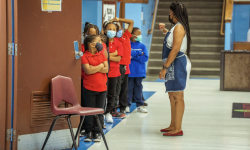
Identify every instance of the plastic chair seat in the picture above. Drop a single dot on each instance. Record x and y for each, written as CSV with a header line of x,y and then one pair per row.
x,y
78,110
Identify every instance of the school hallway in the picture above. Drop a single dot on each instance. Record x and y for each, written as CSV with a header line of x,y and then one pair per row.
x,y
207,122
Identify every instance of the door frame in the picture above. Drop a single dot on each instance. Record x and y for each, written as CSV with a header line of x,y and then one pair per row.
x,y
3,71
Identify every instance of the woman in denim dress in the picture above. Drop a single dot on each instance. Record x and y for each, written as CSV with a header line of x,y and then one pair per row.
x,y
176,68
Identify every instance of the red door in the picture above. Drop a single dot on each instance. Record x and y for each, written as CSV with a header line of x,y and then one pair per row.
x,y
44,50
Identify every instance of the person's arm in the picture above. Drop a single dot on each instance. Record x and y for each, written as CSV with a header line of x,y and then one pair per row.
x,y
119,55
179,33
144,55
115,58
105,69
128,21
136,53
114,53
88,69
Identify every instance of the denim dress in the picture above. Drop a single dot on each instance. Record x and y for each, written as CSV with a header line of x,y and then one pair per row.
x,y
177,73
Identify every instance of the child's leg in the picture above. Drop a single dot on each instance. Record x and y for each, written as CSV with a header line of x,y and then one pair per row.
x,y
120,81
138,91
130,90
100,102
89,101
123,101
111,95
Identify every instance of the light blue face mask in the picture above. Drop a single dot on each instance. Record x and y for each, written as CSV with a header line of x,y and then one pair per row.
x,y
119,33
111,34
139,38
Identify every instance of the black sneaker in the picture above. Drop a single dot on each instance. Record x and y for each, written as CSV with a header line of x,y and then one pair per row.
x,y
89,137
123,110
118,115
97,137
145,104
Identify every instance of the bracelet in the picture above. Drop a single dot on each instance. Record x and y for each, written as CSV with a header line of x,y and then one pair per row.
x,y
164,67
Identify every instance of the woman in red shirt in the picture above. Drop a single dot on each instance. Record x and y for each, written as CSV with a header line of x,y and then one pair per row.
x,y
95,66
115,54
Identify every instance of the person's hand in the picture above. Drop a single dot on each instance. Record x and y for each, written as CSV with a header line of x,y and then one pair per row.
x,y
162,26
115,19
142,53
116,52
102,65
162,74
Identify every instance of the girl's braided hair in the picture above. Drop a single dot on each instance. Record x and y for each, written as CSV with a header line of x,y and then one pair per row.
x,y
180,12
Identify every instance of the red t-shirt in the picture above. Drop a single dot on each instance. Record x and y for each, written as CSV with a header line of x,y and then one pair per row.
x,y
125,40
114,70
97,81
83,50
127,69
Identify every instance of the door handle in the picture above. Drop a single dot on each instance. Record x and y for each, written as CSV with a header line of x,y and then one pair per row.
x,y
78,54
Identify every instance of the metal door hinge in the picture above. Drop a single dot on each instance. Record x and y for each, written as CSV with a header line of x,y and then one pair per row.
x,y
8,136
16,49
10,48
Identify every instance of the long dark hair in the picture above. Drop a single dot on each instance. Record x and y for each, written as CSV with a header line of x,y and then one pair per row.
x,y
88,26
89,39
180,12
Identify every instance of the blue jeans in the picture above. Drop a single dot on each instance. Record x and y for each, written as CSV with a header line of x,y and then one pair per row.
x,y
135,87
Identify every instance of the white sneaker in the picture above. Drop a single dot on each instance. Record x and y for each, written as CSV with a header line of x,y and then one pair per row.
x,y
109,118
142,109
127,109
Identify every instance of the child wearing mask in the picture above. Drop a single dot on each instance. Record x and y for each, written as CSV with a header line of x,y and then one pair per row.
x,y
122,81
95,66
115,54
90,29
139,56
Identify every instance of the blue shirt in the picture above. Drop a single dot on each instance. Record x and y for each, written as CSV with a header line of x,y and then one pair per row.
x,y
138,61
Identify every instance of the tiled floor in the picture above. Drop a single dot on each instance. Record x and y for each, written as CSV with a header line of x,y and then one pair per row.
x,y
207,123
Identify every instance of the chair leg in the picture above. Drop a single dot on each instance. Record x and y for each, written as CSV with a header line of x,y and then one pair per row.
x,y
100,128
50,130
72,133
78,129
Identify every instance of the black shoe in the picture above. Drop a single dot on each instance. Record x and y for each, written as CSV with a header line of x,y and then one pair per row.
x,y
145,104
123,110
97,137
89,137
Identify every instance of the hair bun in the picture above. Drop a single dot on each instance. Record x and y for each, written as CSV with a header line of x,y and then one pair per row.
x,y
87,23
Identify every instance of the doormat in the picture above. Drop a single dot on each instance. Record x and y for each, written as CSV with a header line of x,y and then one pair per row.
x,y
241,110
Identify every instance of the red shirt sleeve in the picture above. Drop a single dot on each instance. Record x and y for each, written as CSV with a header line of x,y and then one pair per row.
x,y
127,34
83,48
84,60
119,48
